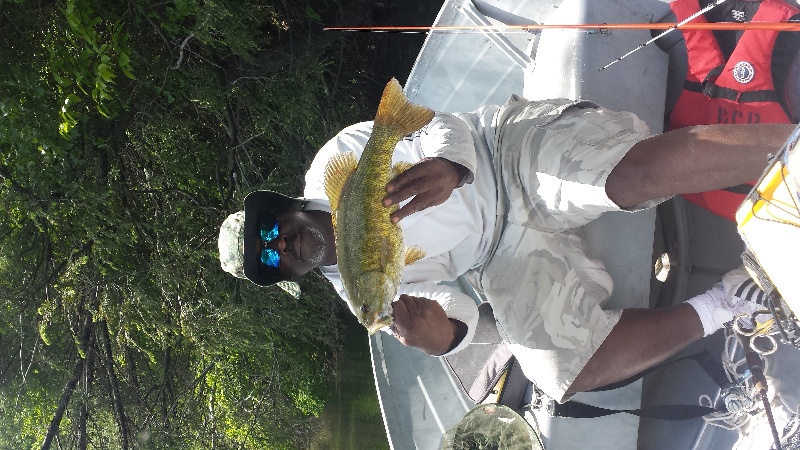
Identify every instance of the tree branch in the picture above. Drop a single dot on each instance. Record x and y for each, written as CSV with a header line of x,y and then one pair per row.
x,y
56,271
229,123
66,394
5,174
116,397
83,437
196,381
182,47
158,30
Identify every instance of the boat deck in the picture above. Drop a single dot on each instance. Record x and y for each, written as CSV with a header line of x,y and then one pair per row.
x,y
461,71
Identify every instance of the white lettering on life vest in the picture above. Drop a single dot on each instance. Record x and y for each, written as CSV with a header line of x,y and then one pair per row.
x,y
743,72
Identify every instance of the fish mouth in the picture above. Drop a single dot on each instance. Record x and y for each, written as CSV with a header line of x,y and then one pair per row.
x,y
375,320
376,325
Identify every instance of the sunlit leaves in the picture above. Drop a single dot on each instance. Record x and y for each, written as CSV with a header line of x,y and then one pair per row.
x,y
85,59
128,131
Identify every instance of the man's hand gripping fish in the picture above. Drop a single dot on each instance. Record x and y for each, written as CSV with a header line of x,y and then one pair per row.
x,y
369,247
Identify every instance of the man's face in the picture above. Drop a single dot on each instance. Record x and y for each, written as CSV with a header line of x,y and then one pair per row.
x,y
304,241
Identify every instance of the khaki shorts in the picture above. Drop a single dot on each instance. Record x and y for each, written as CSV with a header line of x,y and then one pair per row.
x,y
552,160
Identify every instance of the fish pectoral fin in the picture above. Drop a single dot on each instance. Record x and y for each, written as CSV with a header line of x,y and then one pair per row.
x,y
397,112
400,167
414,254
337,172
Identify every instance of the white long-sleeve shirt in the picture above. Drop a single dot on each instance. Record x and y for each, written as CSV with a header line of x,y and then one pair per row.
x,y
455,235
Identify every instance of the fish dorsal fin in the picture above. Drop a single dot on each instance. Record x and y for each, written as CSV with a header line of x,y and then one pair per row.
x,y
400,167
397,112
414,254
337,171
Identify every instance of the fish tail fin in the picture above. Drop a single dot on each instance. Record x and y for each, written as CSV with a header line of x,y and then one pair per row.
x,y
397,112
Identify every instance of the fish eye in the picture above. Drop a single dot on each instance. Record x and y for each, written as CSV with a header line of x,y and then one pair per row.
x,y
364,308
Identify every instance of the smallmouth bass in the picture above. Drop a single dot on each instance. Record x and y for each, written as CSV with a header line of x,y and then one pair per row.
x,y
369,247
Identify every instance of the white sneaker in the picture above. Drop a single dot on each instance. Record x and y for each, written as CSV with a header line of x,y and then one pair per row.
x,y
742,294
734,295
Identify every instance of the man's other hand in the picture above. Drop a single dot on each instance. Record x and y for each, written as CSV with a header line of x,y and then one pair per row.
x,y
430,182
422,323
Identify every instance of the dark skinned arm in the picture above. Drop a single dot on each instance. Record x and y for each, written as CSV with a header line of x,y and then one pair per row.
x,y
423,324
430,182
420,322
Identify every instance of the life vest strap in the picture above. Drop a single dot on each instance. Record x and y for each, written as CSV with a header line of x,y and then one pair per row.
x,y
693,86
714,91
712,75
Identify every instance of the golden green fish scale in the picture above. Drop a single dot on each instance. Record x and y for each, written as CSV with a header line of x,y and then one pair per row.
x,y
369,247
362,214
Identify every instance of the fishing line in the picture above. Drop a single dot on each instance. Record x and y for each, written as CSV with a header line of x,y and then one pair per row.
x,y
791,25
708,7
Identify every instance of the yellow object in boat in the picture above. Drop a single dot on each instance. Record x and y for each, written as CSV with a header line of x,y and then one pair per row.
x,y
769,223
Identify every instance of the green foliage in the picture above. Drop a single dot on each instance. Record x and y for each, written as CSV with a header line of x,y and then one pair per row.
x,y
128,131
353,406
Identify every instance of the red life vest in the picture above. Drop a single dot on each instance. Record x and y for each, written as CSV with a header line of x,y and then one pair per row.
x,y
739,90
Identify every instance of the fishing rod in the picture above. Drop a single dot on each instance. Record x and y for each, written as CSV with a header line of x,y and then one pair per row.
x,y
708,8
715,26
667,27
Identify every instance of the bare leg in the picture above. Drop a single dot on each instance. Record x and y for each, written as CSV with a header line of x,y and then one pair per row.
x,y
694,159
641,339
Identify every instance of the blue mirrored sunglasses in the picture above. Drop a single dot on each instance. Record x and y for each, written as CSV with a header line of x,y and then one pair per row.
x,y
269,257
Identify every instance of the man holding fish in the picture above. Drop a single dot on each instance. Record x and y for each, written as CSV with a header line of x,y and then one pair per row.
x,y
499,196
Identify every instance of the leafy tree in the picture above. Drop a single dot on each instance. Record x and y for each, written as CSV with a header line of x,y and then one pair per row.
x,y
128,131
